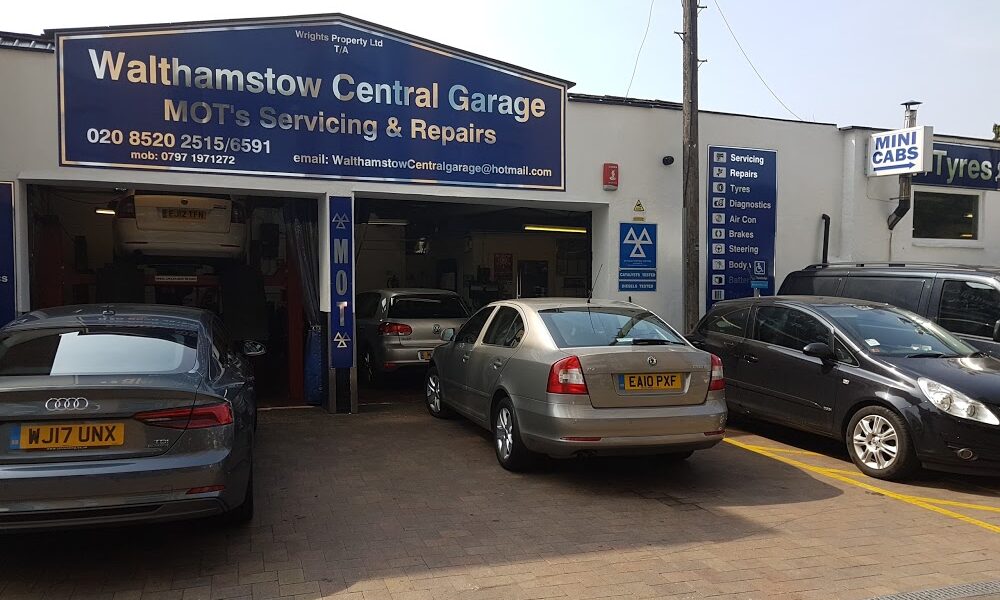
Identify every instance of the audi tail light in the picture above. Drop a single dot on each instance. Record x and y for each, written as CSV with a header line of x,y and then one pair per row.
x,y
718,382
125,208
389,328
195,417
566,377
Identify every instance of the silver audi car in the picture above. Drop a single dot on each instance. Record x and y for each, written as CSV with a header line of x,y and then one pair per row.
x,y
123,413
567,377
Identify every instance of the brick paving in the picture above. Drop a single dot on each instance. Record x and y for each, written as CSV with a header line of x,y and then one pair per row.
x,y
392,504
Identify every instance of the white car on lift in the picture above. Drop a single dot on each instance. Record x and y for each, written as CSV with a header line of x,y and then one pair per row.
x,y
176,225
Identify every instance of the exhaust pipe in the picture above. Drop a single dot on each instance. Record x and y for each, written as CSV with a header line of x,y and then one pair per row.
x,y
966,454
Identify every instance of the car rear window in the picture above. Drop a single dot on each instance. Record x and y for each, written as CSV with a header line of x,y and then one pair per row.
x,y
586,326
808,285
99,351
427,306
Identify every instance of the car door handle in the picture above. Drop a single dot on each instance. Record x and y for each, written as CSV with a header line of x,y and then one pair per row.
x,y
497,363
750,358
730,344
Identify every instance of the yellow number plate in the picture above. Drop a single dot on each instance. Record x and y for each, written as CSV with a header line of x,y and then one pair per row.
x,y
641,382
184,213
83,435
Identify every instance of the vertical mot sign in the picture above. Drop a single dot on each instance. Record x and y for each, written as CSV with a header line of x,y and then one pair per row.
x,y
742,216
8,288
341,283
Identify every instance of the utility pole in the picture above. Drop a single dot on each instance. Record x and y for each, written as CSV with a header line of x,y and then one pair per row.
x,y
909,120
692,206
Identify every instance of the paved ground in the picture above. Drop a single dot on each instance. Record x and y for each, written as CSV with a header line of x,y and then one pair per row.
x,y
391,504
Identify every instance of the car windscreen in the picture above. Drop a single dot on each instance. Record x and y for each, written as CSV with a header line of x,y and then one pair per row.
x,y
895,333
101,350
427,306
587,326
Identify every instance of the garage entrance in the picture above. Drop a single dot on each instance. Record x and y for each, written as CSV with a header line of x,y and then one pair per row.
x,y
407,252
237,256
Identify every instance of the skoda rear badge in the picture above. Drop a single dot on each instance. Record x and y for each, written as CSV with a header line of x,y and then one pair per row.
x,y
437,328
652,361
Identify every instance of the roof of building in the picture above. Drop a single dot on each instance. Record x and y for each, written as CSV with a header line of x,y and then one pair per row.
x,y
26,41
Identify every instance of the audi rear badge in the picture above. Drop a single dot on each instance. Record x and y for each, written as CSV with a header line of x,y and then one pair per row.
x,y
63,404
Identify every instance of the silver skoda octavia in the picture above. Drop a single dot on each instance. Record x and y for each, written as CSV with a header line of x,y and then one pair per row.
x,y
567,377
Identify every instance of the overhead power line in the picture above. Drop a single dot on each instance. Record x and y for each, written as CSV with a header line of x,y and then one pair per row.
x,y
750,62
649,19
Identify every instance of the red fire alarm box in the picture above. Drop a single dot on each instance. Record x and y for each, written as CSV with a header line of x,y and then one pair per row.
x,y
610,176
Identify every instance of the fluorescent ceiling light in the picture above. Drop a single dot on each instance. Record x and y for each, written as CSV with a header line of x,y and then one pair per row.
x,y
377,221
555,228
967,235
105,211
970,216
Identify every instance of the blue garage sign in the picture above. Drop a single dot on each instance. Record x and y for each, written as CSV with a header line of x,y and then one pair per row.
x,y
637,257
8,286
742,200
341,283
961,165
324,98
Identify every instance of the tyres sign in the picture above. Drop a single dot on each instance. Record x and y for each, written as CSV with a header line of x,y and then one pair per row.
x,y
328,97
742,200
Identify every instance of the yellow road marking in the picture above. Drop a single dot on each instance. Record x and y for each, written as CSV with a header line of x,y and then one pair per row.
x,y
831,473
781,450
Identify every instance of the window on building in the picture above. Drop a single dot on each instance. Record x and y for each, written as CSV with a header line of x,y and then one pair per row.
x,y
943,216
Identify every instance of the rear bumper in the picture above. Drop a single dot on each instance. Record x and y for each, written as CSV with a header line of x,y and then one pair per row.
x,y
403,356
546,425
120,491
158,242
182,249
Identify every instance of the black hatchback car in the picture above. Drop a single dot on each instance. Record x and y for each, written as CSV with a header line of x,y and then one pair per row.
x,y
900,390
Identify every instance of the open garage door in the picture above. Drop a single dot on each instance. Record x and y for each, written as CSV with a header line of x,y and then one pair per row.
x,y
425,266
229,254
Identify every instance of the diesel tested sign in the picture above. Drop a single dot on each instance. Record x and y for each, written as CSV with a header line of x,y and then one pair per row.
x,y
333,99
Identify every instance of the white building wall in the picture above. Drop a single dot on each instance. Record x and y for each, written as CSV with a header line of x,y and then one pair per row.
x,y
820,169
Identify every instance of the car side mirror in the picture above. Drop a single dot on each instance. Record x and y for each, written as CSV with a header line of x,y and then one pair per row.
x,y
996,331
448,334
818,350
252,348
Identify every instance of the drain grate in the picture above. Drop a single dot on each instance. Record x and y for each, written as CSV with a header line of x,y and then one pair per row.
x,y
969,590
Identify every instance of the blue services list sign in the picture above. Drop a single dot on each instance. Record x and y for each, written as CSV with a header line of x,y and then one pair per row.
x,y
321,98
8,288
341,283
742,201
637,257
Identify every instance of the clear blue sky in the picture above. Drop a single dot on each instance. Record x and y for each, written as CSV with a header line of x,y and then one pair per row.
x,y
849,62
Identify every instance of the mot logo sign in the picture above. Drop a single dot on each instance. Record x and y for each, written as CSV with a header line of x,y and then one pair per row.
x,y
341,283
901,151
